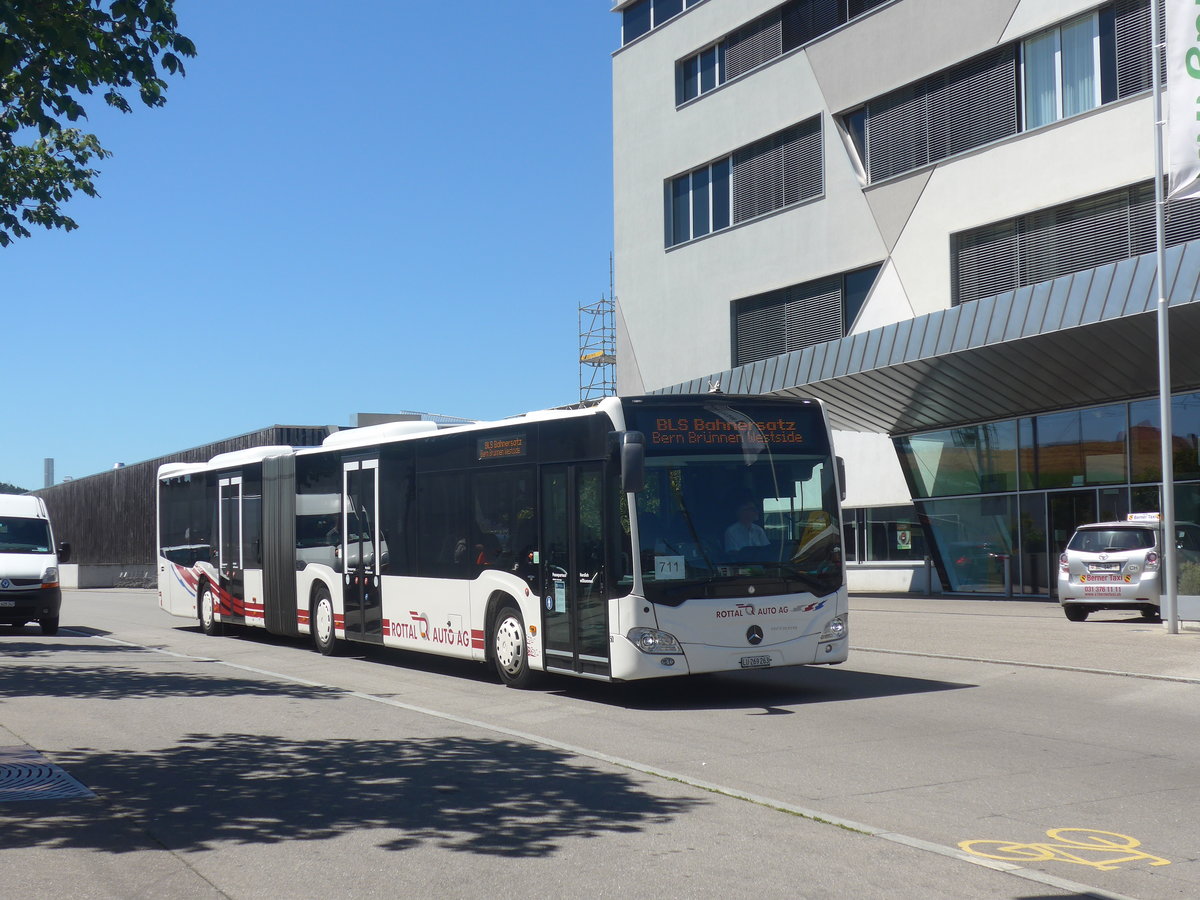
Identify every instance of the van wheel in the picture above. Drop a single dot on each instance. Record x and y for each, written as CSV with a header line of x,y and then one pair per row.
x,y
1075,613
1151,614
49,625
323,633
206,610
509,651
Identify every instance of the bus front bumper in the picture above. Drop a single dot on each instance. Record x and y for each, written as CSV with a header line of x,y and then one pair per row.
x,y
630,664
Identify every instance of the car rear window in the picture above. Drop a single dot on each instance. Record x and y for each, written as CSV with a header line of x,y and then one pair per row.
x,y
1099,540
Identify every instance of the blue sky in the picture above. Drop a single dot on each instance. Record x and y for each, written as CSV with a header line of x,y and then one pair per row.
x,y
352,207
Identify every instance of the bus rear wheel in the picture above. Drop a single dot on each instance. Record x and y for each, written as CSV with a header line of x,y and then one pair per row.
x,y
509,651
324,636
207,612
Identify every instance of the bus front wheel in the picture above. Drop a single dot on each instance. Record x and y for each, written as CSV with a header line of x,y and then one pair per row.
x,y
322,623
208,614
509,651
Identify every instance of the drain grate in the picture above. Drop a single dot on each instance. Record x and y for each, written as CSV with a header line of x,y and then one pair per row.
x,y
27,775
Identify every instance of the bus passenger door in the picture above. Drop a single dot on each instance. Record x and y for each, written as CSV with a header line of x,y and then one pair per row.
x,y
574,597
229,546
361,546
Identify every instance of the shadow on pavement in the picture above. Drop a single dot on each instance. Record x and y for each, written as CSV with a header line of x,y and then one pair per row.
x,y
92,682
760,693
483,796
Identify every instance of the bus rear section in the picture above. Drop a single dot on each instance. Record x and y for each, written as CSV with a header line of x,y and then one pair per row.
x,y
226,540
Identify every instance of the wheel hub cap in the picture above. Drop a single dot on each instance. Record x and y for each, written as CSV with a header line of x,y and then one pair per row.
x,y
509,645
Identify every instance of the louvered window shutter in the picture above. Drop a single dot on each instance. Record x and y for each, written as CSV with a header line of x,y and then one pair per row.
x,y
1074,237
897,138
975,104
804,20
1069,238
777,171
803,172
1183,219
760,333
1132,27
1141,219
754,44
757,179
814,313
986,261
787,319
968,106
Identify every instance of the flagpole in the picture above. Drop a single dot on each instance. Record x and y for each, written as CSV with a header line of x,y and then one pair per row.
x,y
1167,574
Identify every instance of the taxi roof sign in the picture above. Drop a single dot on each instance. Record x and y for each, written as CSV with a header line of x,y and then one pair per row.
x,y
1144,517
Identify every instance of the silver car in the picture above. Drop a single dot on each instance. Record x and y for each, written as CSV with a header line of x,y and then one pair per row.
x,y
1117,565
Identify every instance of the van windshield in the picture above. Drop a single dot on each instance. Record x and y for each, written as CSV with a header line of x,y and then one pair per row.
x,y
1099,540
21,535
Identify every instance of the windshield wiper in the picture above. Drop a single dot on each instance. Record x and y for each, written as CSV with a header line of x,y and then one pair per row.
x,y
687,517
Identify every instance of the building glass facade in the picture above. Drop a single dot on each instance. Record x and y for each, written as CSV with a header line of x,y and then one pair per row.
x,y
884,534
1000,500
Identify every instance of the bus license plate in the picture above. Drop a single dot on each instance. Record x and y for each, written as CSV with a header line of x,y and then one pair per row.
x,y
755,662
8,602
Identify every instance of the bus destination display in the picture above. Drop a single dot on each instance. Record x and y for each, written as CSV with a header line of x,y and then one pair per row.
x,y
502,448
718,431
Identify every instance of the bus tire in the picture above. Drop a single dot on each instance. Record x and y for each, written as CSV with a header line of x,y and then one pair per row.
x,y
206,610
49,625
509,651
323,632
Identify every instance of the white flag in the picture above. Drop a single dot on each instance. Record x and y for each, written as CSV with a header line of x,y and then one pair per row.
x,y
1183,97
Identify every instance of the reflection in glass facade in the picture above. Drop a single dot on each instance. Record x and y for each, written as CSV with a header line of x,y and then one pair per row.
x,y
884,534
1006,496
975,459
973,536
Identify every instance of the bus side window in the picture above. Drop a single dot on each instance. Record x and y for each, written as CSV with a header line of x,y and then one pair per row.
x,y
443,549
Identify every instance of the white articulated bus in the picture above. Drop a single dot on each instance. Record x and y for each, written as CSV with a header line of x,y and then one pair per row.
x,y
637,538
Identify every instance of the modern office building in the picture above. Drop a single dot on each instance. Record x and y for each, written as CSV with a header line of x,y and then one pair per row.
x,y
937,216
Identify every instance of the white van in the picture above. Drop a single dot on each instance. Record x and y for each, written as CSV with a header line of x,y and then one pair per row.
x,y
29,590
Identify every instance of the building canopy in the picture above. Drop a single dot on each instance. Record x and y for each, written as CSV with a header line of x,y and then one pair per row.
x,y
1078,340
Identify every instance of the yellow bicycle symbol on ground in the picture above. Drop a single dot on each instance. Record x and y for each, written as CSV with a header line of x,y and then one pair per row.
x,y
1104,850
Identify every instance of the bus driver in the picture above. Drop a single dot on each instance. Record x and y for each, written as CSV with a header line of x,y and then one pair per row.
x,y
746,532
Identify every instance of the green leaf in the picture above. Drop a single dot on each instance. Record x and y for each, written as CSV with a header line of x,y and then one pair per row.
x,y
54,54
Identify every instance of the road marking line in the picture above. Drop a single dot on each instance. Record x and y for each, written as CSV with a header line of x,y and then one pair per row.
x,y
1182,679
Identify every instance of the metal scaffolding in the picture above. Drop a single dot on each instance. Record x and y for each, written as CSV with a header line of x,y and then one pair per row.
x,y
597,351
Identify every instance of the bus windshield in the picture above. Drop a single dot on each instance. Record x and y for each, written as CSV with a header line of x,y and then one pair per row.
x,y
737,493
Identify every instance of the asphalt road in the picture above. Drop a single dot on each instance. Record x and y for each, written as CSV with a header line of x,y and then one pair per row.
x,y
967,749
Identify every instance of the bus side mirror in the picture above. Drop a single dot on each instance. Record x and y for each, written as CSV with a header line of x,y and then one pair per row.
x,y
64,551
841,464
633,461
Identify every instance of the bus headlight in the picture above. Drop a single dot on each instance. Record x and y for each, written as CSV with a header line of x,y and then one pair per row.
x,y
651,640
50,577
835,629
